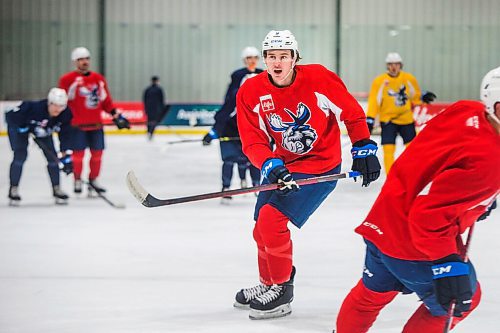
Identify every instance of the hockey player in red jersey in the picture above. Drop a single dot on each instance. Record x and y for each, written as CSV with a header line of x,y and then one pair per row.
x,y
88,96
295,108
413,231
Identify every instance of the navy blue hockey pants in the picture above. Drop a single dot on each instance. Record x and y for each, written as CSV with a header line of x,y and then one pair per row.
x,y
19,145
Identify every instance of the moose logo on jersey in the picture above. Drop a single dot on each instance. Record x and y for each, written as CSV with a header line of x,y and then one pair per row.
x,y
91,95
400,97
297,137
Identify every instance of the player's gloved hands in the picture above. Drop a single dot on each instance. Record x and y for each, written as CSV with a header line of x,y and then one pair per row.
x,y
365,161
67,163
487,213
452,284
41,132
209,137
428,97
274,170
121,122
370,122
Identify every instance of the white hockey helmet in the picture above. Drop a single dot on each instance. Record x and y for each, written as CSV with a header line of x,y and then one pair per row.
x,y
58,96
280,39
249,51
490,91
393,57
79,53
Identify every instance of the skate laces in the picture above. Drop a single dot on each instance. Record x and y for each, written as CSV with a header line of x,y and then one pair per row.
x,y
254,292
271,295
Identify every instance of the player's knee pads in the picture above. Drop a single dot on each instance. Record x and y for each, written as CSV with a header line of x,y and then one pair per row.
x,y
271,221
368,299
95,154
20,156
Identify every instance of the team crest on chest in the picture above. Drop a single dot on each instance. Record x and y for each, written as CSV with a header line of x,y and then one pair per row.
x,y
298,137
266,102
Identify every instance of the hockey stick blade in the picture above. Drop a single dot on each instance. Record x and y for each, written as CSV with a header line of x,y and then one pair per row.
x,y
148,200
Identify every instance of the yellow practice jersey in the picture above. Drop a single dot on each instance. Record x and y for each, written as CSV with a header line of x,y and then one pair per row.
x,y
392,98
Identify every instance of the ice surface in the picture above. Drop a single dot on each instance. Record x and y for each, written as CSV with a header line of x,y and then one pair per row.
x,y
87,267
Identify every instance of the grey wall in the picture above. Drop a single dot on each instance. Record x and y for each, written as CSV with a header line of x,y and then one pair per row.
x,y
193,45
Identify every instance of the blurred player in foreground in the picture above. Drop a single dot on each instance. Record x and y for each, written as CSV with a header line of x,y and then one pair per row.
x,y
88,96
413,231
40,119
294,108
226,125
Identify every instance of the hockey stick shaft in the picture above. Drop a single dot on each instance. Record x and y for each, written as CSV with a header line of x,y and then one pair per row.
x,y
465,255
148,200
222,139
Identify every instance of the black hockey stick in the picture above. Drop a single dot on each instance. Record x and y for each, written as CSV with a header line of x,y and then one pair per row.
x,y
54,157
222,139
449,318
148,200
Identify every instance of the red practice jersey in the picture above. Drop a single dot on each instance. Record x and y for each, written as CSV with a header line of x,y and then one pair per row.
x,y
438,187
88,96
302,119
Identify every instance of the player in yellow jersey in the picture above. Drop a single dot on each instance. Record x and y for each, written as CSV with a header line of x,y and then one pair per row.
x,y
392,97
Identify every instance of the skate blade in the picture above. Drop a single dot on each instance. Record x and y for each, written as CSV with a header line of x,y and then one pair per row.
x,y
14,203
61,202
280,311
241,306
226,201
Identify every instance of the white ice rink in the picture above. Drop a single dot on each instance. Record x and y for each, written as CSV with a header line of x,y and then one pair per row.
x,y
87,267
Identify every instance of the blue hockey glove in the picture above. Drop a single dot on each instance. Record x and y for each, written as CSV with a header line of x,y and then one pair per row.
x,y
121,122
370,122
209,137
487,213
365,161
274,170
41,132
67,163
452,284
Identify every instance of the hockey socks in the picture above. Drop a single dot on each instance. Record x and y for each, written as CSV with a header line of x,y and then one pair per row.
x,y
95,163
389,151
360,309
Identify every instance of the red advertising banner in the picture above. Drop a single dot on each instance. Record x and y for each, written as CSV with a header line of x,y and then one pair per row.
x,y
425,112
133,111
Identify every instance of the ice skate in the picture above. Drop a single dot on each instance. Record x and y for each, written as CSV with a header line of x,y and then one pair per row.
x,y
244,183
275,302
14,198
95,188
227,199
77,187
60,197
245,296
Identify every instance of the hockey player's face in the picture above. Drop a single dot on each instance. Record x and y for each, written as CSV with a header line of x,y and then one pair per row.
x,y
83,64
279,65
55,110
394,68
251,62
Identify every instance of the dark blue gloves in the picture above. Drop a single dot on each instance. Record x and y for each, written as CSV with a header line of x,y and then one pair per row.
x,y
370,122
209,137
365,161
452,284
428,97
121,122
274,170
67,163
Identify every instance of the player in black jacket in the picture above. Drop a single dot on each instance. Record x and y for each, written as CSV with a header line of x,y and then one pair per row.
x,y
40,119
226,127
